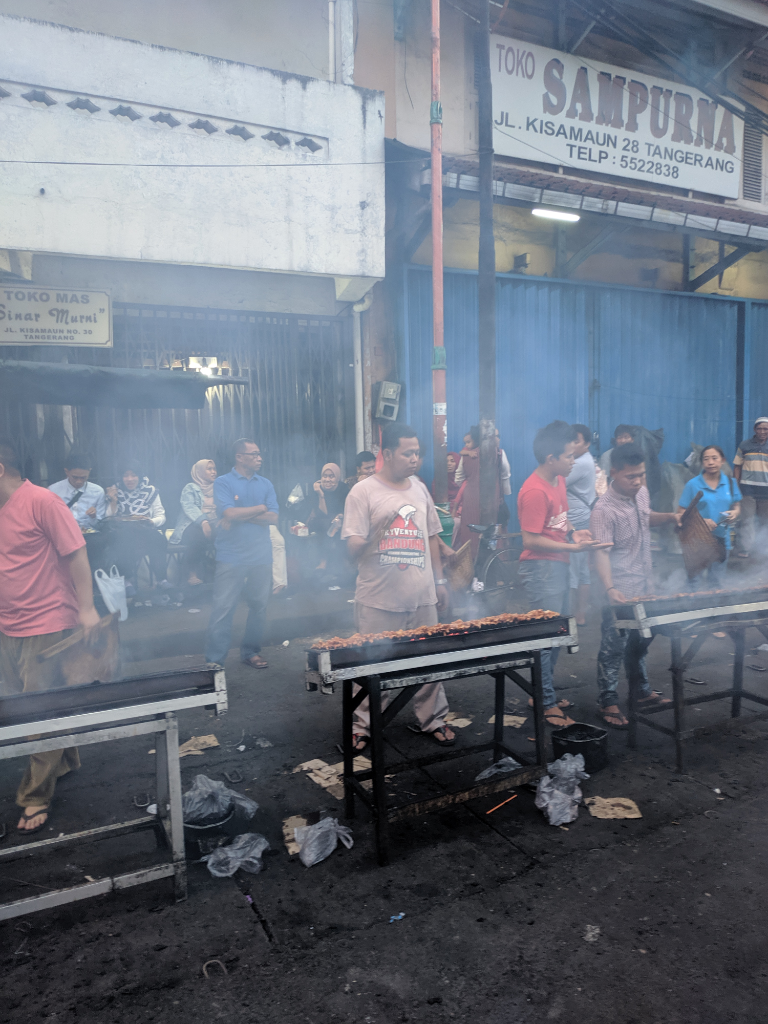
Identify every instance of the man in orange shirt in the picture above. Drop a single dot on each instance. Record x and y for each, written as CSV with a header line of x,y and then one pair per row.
x,y
45,593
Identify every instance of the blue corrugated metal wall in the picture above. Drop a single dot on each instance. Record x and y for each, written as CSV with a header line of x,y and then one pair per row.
x,y
593,354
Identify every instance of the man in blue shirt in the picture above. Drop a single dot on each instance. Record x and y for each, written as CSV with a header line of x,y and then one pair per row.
x,y
247,507
719,508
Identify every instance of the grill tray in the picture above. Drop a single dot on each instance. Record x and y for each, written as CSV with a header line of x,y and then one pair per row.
x,y
692,602
389,650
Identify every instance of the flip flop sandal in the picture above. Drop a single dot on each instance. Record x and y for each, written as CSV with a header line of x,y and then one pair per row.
x,y
251,664
655,699
559,722
564,704
605,715
360,742
444,742
28,817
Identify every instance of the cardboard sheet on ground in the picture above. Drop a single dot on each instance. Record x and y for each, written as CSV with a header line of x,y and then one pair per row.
x,y
612,807
457,723
294,822
197,744
516,721
329,776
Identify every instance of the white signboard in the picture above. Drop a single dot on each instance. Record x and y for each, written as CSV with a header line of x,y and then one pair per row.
x,y
34,315
559,108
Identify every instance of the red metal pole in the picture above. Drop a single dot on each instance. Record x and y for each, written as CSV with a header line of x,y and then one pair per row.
x,y
439,436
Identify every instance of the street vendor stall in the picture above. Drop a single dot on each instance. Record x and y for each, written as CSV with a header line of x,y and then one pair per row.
x,y
694,617
100,713
503,647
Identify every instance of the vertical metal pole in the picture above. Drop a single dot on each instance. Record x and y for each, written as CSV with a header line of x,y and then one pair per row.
x,y
738,672
439,429
678,697
538,711
349,754
377,770
486,282
498,727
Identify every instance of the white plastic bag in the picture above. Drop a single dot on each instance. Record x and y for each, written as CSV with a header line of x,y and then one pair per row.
x,y
316,842
244,852
112,590
559,794
208,801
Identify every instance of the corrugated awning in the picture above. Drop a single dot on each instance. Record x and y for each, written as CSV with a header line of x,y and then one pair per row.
x,y
76,384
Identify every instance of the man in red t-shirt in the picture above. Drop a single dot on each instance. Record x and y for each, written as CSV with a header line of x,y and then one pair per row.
x,y
542,508
45,593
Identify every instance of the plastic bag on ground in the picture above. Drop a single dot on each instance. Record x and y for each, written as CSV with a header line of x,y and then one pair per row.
x,y
244,852
559,794
207,801
316,842
502,767
112,590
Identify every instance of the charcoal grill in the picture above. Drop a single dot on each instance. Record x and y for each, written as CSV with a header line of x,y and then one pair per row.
x,y
694,617
98,713
505,652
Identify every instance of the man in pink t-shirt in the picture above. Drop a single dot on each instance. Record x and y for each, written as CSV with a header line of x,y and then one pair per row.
x,y
391,528
45,593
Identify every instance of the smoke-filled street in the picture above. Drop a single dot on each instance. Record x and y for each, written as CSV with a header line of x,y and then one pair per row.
x,y
498,909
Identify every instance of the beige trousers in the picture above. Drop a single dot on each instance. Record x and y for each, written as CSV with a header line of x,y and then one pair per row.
x,y
430,704
21,672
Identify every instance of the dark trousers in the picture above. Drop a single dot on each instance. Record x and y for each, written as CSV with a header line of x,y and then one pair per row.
x,y
232,581
619,647
135,540
98,547
198,546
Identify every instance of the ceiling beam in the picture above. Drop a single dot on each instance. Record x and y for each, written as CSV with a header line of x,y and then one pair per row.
x,y
717,268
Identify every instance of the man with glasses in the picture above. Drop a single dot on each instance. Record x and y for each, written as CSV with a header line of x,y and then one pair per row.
x,y
247,506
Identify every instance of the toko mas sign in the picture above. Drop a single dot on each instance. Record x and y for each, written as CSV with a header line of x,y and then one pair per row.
x,y
558,108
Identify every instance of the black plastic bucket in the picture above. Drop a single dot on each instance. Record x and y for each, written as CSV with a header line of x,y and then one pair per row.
x,y
587,740
202,839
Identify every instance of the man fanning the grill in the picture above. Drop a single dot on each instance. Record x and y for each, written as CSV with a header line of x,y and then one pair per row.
x,y
391,529
623,517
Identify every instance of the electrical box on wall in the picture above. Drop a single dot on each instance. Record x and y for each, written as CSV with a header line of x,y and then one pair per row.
x,y
387,400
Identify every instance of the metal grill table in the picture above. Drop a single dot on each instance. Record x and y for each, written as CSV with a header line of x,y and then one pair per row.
x,y
694,617
99,713
503,653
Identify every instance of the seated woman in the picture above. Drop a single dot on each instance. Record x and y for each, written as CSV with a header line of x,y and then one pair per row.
x,y
328,496
137,512
197,520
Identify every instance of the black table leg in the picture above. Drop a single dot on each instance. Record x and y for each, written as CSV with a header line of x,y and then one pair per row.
x,y
538,711
678,697
377,771
498,727
349,752
738,672
632,716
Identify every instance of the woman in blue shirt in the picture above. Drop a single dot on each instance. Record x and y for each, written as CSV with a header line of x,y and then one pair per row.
x,y
719,507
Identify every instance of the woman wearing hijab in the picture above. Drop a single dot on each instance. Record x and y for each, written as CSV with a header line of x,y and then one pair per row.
x,y
135,506
329,495
197,520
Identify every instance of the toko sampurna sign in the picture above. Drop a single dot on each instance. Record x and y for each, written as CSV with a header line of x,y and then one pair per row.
x,y
557,108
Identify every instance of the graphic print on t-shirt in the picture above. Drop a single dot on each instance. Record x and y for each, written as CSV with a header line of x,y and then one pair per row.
x,y
559,522
403,543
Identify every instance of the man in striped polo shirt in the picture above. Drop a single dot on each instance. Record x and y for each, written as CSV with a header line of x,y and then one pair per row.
x,y
750,467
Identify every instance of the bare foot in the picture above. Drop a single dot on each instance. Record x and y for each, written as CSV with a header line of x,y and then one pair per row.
x,y
32,819
554,716
194,581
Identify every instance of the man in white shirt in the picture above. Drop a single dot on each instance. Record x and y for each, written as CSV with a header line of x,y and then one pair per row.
x,y
580,488
87,503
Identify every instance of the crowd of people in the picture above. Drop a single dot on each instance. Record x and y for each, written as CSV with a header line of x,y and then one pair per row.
x,y
580,522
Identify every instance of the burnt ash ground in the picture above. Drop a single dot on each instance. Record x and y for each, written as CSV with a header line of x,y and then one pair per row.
x,y
496,906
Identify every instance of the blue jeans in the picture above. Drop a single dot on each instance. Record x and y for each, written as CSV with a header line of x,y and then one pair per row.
x,y
616,647
232,581
712,578
546,586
